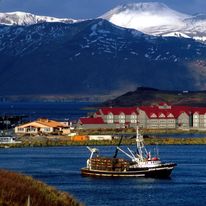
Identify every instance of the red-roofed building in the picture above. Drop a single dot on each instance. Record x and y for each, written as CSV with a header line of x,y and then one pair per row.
x,y
119,116
164,116
199,118
152,117
91,123
91,120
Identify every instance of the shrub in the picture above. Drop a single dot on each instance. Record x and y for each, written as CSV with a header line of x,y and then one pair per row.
x,y
15,189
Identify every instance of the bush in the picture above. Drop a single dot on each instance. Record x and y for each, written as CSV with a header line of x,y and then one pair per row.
x,y
15,189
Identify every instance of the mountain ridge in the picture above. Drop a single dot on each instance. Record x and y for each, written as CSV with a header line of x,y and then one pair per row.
x,y
152,96
24,18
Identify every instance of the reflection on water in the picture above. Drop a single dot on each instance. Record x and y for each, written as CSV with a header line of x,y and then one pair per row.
x,y
60,167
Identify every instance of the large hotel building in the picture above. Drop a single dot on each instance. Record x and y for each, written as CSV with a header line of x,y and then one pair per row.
x,y
162,116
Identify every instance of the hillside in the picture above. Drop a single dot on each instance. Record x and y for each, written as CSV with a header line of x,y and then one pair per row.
x,y
47,57
95,57
149,96
15,189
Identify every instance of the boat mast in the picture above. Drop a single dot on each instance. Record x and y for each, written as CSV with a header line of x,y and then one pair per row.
x,y
140,144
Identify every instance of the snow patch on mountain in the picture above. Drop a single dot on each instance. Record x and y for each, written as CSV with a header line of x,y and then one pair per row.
x,y
177,34
22,18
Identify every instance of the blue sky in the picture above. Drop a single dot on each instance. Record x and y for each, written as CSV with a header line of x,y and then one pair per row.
x,y
89,8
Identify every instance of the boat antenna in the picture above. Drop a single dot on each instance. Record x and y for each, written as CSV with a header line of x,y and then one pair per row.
x,y
116,151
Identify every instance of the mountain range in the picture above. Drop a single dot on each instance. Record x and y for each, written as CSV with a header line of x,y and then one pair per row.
x,y
49,56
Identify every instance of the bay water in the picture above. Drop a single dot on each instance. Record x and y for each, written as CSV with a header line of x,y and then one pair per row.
x,y
60,167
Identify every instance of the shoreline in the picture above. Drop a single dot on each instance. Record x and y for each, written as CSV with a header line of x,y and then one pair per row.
x,y
63,142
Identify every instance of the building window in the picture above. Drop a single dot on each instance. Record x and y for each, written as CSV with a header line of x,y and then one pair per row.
x,y
133,118
20,129
47,129
31,129
110,118
171,121
133,121
195,116
195,125
122,121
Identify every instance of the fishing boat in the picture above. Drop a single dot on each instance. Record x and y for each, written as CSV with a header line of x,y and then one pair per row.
x,y
137,164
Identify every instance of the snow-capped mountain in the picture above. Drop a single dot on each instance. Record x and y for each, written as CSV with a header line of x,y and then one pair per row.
x,y
52,56
157,19
22,18
95,57
151,18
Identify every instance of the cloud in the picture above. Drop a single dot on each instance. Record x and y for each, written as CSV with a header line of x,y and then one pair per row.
x,y
89,8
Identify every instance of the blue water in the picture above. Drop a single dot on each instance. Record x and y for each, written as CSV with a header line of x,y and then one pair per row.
x,y
60,167
51,110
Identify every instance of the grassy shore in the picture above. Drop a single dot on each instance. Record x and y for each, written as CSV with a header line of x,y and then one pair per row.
x,y
44,142
132,131
16,188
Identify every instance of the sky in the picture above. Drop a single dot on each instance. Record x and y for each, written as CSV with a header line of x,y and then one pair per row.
x,y
82,9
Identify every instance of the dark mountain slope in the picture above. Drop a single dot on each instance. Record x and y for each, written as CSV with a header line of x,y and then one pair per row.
x,y
94,57
151,96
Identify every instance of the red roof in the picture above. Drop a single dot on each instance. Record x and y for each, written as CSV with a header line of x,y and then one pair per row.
x,y
176,111
98,113
91,120
199,110
118,110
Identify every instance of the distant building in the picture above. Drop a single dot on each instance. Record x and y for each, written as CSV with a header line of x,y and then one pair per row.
x,y
199,118
162,116
100,137
43,126
91,123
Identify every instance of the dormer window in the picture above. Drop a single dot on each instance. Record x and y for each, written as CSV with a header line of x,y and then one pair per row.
x,y
161,115
133,118
153,115
122,118
110,118
196,116
170,115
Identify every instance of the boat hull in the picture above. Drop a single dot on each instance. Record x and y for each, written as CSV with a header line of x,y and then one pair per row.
x,y
162,171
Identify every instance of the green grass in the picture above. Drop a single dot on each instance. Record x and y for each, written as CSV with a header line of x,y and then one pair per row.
x,y
15,189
